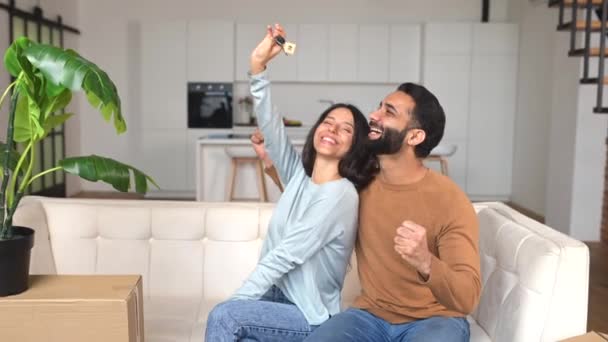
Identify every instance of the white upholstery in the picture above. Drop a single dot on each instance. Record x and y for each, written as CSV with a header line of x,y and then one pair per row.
x,y
193,255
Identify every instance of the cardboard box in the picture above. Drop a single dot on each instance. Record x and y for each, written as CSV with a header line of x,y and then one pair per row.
x,y
63,308
588,337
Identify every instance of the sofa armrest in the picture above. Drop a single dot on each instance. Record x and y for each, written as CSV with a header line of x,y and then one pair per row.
x,y
535,278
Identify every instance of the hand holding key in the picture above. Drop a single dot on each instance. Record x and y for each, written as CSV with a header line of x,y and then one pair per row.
x,y
269,47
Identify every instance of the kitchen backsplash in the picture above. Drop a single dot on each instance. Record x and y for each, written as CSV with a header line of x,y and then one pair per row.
x,y
306,101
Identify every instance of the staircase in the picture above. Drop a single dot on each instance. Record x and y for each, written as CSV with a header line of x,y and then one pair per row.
x,y
587,17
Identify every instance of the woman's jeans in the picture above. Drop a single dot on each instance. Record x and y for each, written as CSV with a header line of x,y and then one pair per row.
x,y
272,318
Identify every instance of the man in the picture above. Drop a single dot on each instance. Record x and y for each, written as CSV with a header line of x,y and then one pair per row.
x,y
417,245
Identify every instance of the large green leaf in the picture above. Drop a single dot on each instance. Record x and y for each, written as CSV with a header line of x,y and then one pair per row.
x,y
19,66
53,121
14,60
95,168
13,160
53,89
68,69
52,104
21,127
27,124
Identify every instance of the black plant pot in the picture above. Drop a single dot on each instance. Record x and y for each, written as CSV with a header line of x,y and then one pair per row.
x,y
15,261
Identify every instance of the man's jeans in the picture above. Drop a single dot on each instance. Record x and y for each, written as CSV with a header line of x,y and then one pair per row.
x,y
359,325
272,318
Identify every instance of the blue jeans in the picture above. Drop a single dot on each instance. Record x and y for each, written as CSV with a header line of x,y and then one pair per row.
x,y
272,318
360,325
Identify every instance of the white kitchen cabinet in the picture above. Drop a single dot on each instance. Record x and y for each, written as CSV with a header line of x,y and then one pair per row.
x,y
339,53
472,69
448,39
448,77
247,38
163,75
312,53
163,156
405,51
210,46
343,52
495,39
285,67
493,91
457,163
373,53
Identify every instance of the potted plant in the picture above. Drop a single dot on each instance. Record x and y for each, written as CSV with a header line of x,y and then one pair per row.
x,y
45,77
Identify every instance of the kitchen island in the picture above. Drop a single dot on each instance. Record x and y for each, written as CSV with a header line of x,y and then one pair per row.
x,y
213,167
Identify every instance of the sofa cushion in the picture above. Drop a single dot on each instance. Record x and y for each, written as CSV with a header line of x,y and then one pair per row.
x,y
170,318
477,332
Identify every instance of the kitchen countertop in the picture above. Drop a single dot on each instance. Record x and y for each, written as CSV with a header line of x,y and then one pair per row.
x,y
237,139
296,139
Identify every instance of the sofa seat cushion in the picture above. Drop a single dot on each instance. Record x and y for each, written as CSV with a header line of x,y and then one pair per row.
x,y
174,319
477,332
160,330
183,319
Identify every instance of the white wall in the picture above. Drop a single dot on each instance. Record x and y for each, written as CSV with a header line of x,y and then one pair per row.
x,y
559,150
575,175
589,161
563,102
68,9
537,38
499,10
312,11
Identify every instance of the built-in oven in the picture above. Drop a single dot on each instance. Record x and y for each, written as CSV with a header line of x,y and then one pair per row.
x,y
209,105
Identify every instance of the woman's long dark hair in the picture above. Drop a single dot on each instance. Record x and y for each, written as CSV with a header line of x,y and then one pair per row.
x,y
358,165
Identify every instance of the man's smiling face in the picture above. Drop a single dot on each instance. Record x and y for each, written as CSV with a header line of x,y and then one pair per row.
x,y
391,122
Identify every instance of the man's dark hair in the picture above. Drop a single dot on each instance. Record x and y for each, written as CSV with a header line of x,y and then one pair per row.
x,y
428,115
358,165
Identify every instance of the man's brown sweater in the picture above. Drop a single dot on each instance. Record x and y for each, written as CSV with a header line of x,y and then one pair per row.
x,y
391,288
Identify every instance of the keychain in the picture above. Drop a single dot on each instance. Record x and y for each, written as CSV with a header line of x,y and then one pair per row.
x,y
288,47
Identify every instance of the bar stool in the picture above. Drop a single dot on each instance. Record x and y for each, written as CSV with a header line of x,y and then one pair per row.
x,y
245,156
440,154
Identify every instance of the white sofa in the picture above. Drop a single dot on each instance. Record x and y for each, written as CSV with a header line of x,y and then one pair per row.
x,y
193,255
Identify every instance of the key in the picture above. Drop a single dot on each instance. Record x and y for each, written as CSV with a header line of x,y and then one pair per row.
x,y
279,40
288,47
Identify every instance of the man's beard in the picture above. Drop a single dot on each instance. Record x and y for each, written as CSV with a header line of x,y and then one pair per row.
x,y
390,142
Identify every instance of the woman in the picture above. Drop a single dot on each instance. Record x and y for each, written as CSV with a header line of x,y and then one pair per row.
x,y
297,282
